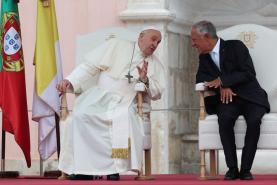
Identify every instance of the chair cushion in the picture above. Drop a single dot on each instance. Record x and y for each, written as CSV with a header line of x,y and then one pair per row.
x,y
209,135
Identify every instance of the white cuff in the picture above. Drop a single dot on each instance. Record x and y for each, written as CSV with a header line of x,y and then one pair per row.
x,y
200,87
140,87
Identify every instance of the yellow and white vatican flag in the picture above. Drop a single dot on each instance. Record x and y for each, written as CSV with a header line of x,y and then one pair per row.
x,y
48,72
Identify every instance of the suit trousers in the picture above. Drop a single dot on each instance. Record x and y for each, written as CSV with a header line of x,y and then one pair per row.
x,y
227,116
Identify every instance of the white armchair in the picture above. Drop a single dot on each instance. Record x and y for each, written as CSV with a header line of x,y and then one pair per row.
x,y
261,42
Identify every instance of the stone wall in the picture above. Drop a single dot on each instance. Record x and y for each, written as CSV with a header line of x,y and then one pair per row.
x,y
182,105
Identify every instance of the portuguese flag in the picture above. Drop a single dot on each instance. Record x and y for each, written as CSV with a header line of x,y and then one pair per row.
x,y
13,100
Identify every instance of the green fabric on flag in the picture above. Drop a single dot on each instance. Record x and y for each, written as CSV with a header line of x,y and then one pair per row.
x,y
13,98
6,6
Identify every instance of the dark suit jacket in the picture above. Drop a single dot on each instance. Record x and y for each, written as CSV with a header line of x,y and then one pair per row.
x,y
237,72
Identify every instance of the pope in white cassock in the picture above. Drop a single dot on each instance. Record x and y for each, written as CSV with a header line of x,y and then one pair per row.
x,y
104,134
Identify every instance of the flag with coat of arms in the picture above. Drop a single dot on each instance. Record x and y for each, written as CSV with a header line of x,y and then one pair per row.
x,y
13,99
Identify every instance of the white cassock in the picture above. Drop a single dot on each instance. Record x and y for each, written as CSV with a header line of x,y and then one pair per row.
x,y
104,134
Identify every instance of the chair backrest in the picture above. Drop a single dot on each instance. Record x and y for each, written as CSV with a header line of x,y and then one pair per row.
x,y
261,42
88,42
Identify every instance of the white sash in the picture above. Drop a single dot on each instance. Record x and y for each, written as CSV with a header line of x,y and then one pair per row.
x,y
120,115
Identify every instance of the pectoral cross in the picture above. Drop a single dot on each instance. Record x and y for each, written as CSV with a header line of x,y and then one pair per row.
x,y
129,76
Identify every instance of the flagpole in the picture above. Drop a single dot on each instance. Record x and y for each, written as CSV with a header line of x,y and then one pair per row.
x,y
3,173
57,120
56,173
3,149
40,167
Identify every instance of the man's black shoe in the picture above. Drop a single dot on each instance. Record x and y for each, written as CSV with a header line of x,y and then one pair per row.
x,y
113,177
80,177
97,177
232,174
245,175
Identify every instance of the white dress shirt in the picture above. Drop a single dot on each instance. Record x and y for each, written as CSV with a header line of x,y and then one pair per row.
x,y
215,54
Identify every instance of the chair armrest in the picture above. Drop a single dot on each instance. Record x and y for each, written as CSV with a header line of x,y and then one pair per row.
x,y
140,87
71,91
201,88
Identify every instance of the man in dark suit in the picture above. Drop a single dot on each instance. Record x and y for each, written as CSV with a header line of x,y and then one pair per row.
x,y
226,68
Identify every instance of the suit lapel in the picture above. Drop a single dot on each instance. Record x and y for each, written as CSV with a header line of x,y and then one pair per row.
x,y
208,56
222,54
211,63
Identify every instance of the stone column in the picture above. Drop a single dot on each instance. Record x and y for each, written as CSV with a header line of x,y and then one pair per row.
x,y
172,117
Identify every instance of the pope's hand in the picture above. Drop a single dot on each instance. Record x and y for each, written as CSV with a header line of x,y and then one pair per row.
x,y
143,71
63,85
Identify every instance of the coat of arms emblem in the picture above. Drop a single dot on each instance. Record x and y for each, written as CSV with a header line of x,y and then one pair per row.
x,y
11,44
248,38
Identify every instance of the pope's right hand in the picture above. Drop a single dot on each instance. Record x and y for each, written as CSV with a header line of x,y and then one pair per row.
x,y
143,70
63,85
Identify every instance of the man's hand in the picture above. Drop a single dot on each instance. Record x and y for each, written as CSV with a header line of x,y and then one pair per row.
x,y
143,71
226,95
63,85
213,84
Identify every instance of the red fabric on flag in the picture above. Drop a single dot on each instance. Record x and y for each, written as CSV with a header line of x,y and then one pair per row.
x,y
1,89
15,111
13,87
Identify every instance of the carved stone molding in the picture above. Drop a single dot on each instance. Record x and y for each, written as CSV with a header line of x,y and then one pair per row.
x,y
269,10
146,14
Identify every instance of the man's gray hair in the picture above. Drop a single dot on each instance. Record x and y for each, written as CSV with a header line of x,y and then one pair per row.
x,y
206,27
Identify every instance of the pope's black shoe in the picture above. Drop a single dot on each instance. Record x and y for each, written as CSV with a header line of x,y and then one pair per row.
x,y
80,177
245,175
113,177
232,174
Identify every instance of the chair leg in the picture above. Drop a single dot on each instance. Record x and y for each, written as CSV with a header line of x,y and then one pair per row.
x,y
212,175
63,176
147,176
212,164
202,165
148,163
